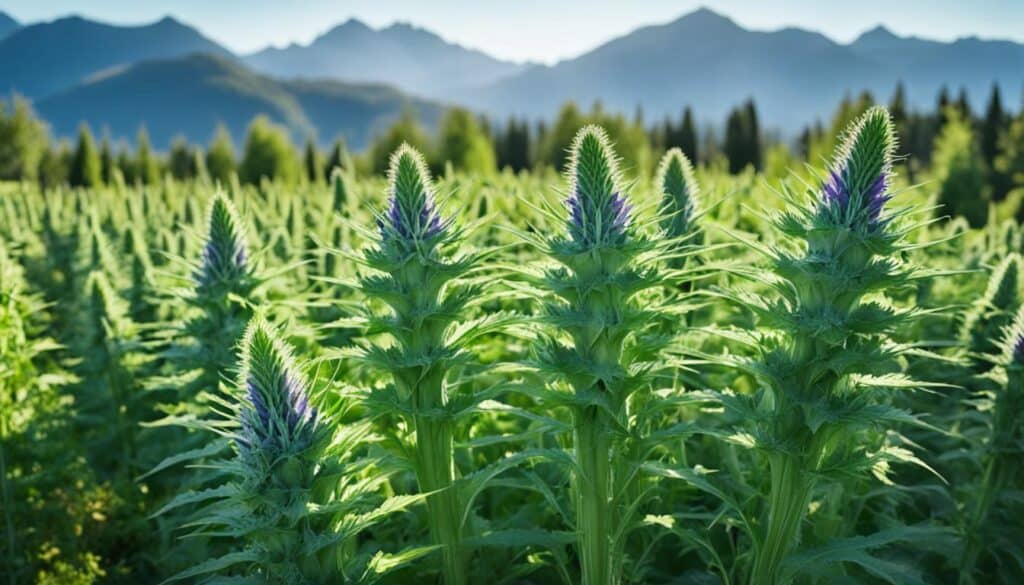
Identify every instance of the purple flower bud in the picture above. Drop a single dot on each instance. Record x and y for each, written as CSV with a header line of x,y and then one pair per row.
x,y
281,414
856,190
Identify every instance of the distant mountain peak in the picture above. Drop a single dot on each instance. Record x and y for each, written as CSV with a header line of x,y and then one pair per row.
x,y
880,33
7,24
704,16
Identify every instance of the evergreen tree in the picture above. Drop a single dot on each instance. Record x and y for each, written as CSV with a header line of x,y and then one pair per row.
x,y
86,170
311,162
54,165
268,154
1010,161
220,156
992,127
180,160
338,158
688,136
107,161
742,145
898,109
963,104
147,167
464,144
942,105
960,170
23,141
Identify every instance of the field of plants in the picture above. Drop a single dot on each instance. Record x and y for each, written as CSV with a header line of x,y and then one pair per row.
x,y
601,376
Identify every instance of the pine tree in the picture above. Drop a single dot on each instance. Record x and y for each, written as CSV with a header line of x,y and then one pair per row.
x,y
86,170
107,161
180,160
688,135
338,158
311,162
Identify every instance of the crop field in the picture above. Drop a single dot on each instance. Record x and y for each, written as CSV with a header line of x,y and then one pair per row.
x,y
618,373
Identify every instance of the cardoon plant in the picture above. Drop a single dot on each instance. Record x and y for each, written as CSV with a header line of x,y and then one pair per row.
x,y
594,352
825,353
418,272
993,312
223,282
680,201
296,500
1003,452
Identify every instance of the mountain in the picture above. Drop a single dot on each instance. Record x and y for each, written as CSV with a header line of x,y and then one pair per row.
x,y
413,59
704,60
40,59
7,24
190,95
926,65
707,61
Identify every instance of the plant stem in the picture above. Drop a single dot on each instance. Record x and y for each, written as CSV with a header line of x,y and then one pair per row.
x,y
8,520
593,486
790,492
435,473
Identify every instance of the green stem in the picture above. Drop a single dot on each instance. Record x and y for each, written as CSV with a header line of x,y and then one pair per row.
x,y
593,486
8,519
790,492
991,485
435,473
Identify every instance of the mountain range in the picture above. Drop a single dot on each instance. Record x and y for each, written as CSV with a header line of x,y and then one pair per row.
x,y
355,78
411,58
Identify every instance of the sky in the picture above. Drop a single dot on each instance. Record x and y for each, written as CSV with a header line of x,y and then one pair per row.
x,y
536,30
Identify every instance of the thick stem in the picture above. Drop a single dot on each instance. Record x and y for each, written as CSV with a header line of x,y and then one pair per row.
x,y
790,492
593,486
992,484
435,473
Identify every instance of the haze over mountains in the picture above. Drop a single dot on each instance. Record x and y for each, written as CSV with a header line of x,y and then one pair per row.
x,y
355,79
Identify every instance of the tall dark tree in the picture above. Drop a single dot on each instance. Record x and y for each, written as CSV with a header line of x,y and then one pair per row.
x,y
85,170
898,109
513,145
941,103
107,161
993,126
963,104
311,163
743,138
338,157
147,166
180,160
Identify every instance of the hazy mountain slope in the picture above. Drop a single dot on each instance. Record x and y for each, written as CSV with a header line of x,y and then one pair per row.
x,y
41,59
704,60
7,24
191,95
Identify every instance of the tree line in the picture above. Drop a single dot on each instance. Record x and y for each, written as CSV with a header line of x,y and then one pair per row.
x,y
978,159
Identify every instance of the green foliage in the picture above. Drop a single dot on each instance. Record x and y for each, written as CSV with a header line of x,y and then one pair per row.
x,y
960,171
463,143
268,154
23,141
86,169
497,377
405,130
220,157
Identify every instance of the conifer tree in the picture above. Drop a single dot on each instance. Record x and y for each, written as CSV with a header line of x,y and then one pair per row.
x,y
86,170
220,156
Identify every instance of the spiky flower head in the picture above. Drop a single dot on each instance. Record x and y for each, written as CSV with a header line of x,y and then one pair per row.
x,y
1013,342
1003,286
225,255
598,211
680,193
411,216
857,188
278,416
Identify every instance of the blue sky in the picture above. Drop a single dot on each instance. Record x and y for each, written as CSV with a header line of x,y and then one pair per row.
x,y
539,30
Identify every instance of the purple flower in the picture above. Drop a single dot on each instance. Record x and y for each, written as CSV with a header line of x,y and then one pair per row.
x,y
856,190
593,222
